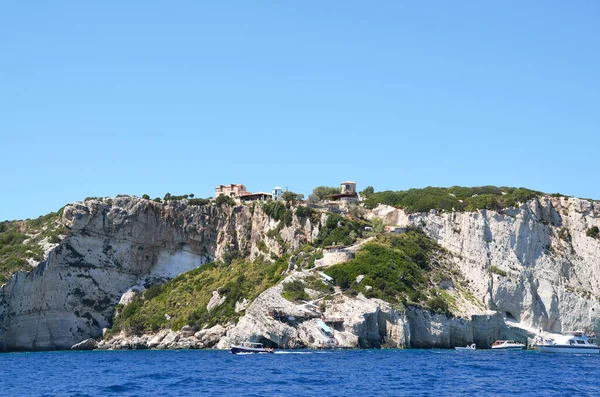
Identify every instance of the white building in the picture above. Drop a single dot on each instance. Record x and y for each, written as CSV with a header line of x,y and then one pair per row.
x,y
277,193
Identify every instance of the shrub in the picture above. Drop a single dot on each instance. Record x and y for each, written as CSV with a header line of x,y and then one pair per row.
x,y
321,192
593,232
367,192
498,271
198,201
455,198
291,196
294,291
225,200
275,210
304,212
145,197
438,305
337,229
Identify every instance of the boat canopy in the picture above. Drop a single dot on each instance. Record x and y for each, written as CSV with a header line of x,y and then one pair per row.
x,y
324,327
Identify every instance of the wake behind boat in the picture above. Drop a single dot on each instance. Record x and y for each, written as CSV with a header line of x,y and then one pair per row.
x,y
250,347
571,342
507,345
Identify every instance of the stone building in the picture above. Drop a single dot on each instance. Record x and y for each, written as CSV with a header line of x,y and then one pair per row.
x,y
234,190
348,187
347,193
239,192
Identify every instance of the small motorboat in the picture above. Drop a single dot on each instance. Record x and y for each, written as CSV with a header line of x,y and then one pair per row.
x,y
508,345
468,347
250,347
571,342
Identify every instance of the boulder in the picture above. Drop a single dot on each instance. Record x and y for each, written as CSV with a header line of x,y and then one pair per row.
x,y
88,344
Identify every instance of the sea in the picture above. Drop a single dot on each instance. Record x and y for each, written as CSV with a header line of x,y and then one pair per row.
x,y
299,373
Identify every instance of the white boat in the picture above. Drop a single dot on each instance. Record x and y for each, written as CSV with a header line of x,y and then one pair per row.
x,y
572,342
250,347
507,345
468,347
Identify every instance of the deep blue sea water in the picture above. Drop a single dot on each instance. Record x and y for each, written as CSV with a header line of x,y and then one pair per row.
x,y
298,373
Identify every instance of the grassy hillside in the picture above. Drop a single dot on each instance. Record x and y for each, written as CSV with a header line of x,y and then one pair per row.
x,y
183,300
396,268
453,198
20,241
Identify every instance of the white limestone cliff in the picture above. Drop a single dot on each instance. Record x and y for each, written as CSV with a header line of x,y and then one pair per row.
x,y
533,263
119,245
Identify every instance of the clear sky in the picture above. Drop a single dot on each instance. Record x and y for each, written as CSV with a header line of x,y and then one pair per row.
x,y
99,98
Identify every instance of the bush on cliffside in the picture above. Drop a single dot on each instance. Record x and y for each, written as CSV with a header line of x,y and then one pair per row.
x,y
455,198
294,291
393,267
338,230
225,200
593,232
20,241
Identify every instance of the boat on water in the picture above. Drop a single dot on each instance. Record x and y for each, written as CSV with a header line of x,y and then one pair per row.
x,y
507,345
572,342
467,348
250,347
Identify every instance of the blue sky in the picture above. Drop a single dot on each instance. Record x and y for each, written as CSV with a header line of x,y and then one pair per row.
x,y
102,98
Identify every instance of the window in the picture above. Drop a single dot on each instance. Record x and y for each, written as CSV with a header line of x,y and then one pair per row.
x,y
580,342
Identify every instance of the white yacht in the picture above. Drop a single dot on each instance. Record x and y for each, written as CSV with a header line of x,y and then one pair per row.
x,y
250,347
571,342
507,345
471,347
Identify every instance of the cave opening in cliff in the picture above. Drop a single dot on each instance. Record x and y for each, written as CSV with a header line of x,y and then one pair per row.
x,y
268,343
510,316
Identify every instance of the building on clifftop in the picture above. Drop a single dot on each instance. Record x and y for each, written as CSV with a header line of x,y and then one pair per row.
x,y
347,193
277,193
239,192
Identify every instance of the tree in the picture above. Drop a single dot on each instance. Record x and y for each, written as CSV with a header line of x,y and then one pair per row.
x,y
225,200
321,192
378,226
367,192
313,199
145,197
356,211
167,197
191,195
291,196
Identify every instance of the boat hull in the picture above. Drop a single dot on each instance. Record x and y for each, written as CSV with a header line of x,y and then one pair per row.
x,y
509,348
569,349
246,350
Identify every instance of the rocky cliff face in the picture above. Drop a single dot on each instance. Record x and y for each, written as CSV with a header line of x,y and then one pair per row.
x,y
531,267
533,263
115,245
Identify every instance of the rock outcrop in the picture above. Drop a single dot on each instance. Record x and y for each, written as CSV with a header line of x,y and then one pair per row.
x,y
88,344
119,245
534,264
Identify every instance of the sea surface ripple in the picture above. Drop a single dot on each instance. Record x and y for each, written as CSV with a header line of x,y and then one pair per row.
x,y
299,373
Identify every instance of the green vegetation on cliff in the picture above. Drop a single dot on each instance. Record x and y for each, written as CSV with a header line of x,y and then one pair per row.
x,y
394,268
339,230
453,199
20,241
183,300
